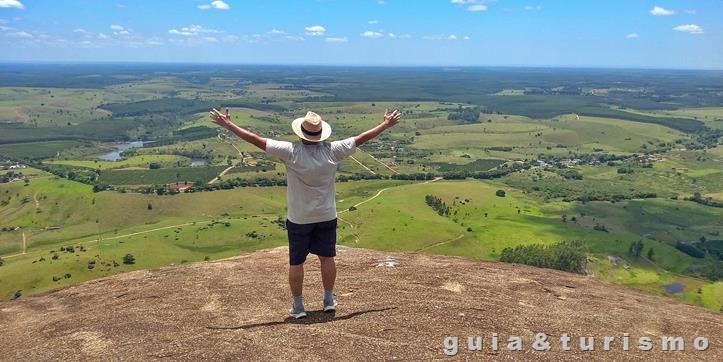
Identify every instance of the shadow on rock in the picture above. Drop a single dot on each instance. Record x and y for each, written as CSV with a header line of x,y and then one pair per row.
x,y
312,317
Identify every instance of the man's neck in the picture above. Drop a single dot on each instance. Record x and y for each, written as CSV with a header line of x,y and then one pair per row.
x,y
308,142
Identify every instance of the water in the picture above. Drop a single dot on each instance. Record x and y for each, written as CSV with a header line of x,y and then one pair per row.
x,y
119,148
674,288
198,162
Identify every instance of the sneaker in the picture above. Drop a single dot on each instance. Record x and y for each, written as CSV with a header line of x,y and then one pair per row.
x,y
330,306
297,313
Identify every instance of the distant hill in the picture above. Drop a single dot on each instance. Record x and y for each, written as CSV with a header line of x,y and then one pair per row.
x,y
392,306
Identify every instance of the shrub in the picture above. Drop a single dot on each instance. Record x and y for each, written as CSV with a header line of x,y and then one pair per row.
x,y
129,259
2,262
566,255
500,193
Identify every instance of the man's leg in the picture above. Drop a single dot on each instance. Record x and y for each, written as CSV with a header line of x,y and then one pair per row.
x,y
299,237
328,272
323,244
296,279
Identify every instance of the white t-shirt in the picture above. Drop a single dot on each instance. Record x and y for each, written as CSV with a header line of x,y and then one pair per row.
x,y
310,176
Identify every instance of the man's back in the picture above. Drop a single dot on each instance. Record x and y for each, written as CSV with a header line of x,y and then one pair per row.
x,y
311,172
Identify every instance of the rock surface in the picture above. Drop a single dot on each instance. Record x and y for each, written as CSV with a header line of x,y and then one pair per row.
x,y
391,306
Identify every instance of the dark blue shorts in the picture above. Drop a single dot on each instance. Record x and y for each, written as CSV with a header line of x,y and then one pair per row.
x,y
317,238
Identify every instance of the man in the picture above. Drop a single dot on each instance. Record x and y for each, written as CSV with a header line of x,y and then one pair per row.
x,y
311,197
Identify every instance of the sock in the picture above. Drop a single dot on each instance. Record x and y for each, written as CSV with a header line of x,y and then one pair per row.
x,y
298,302
328,296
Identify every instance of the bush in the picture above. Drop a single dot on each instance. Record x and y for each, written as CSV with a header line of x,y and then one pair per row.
x,y
566,255
500,193
2,262
129,259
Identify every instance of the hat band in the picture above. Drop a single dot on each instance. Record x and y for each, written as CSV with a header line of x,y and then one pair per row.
x,y
309,133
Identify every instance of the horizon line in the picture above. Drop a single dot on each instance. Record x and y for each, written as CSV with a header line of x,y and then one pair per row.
x,y
352,65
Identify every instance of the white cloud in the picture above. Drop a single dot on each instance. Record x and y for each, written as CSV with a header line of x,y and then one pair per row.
x,y
372,34
119,30
690,11
220,5
315,30
405,36
102,36
466,38
380,2
689,28
337,40
21,34
210,39
217,4
392,35
438,37
472,5
80,30
11,4
373,22
192,30
477,7
659,11
632,36
295,38
276,31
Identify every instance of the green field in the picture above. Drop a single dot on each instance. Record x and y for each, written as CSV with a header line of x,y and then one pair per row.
x,y
607,158
160,176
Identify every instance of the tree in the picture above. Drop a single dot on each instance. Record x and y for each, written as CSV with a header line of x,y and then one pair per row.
x,y
2,262
129,259
150,207
651,254
636,247
500,193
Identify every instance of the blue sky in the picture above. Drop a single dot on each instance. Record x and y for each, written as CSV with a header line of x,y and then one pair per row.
x,y
581,33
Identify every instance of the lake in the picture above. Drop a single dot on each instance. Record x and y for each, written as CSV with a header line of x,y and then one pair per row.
x,y
119,148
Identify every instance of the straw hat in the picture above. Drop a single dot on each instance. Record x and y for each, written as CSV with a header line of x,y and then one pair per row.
x,y
311,127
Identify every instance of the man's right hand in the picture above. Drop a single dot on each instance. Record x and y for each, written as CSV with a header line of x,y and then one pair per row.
x,y
391,118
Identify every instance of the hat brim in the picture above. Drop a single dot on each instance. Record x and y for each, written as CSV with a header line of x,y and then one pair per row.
x,y
325,131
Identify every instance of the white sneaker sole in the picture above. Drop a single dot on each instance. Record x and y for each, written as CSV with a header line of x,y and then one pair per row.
x,y
298,315
330,308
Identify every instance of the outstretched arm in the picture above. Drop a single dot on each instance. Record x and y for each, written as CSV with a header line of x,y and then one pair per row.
x,y
224,120
390,119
